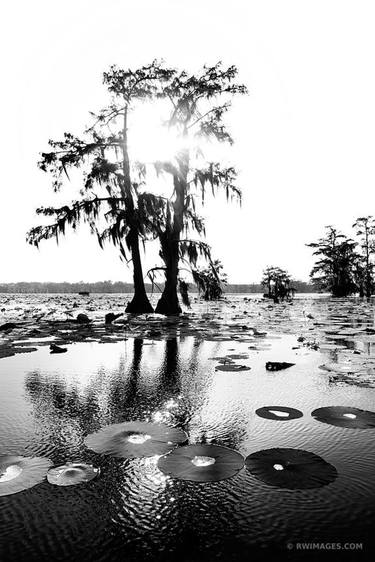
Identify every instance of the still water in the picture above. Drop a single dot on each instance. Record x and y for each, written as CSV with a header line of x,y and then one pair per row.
x,y
132,511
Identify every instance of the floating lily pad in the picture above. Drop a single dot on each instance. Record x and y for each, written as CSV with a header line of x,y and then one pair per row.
x,y
342,416
278,413
135,439
232,367
72,473
8,326
294,469
278,366
20,473
57,349
6,351
201,463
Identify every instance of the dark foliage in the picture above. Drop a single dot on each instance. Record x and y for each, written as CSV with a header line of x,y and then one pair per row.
x,y
364,267
195,113
103,158
277,283
210,281
334,270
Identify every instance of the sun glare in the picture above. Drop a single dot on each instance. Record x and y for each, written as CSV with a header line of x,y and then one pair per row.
x,y
149,139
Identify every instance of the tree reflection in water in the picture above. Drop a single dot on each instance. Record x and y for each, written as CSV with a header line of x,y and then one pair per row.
x,y
65,411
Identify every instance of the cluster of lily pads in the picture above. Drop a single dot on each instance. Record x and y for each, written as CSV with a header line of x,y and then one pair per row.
x,y
202,462
19,473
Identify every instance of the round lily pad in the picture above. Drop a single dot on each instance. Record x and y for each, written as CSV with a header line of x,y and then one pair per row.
x,y
279,413
135,439
201,463
72,473
294,469
343,416
20,473
232,367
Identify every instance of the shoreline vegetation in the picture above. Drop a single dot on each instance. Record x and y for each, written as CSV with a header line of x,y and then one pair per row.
x,y
122,287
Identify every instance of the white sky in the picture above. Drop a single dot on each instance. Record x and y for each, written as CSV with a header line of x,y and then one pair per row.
x,y
305,136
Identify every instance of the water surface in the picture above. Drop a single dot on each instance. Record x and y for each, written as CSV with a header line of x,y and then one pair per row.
x,y
49,403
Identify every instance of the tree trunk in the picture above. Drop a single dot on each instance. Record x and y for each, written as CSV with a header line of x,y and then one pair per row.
x,y
170,252
168,303
139,303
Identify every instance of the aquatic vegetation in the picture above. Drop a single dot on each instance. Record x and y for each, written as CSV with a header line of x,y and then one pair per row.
x,y
279,413
278,366
201,463
8,326
135,439
20,473
72,473
232,367
57,349
290,468
342,416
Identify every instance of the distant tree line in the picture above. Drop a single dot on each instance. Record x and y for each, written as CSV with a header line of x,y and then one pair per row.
x,y
121,287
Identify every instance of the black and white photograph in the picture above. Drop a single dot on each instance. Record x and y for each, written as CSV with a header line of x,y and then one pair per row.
x,y
187,281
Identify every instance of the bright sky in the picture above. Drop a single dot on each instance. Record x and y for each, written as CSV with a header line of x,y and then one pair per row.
x,y
305,136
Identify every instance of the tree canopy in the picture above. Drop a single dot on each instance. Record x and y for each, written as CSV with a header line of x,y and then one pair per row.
x,y
334,269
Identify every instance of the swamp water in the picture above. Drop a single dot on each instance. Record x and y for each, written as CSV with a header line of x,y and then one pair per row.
x,y
165,370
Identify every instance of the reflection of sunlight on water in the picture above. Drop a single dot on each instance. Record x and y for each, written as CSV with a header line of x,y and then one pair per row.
x,y
63,398
139,438
280,414
153,474
10,473
200,460
160,417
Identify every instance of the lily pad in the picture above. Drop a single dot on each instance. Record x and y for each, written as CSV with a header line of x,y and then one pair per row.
x,y
278,366
232,367
72,473
20,473
343,416
135,439
294,469
57,349
280,413
201,463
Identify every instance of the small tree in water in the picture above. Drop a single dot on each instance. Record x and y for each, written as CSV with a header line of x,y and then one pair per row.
x,y
334,270
365,230
277,283
210,280
102,153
